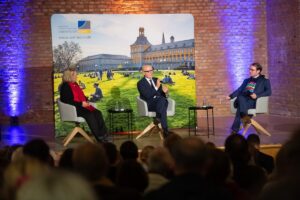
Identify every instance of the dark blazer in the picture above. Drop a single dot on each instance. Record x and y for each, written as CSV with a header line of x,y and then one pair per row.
x,y
146,92
262,88
66,96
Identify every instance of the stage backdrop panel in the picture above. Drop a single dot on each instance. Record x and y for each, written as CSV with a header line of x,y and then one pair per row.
x,y
108,52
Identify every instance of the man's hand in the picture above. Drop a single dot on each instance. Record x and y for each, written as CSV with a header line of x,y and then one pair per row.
x,y
158,83
253,96
85,104
227,97
165,89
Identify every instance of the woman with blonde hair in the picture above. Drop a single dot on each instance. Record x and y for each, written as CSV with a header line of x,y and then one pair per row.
x,y
71,93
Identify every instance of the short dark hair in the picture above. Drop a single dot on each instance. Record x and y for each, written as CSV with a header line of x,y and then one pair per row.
x,y
129,150
38,149
253,139
257,66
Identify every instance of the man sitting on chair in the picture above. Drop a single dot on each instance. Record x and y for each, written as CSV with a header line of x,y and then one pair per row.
x,y
154,94
252,88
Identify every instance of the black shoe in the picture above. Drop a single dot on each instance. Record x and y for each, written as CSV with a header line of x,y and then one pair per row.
x,y
103,139
156,121
165,133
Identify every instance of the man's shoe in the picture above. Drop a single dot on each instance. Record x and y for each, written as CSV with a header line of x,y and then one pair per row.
x,y
246,120
156,121
165,133
104,139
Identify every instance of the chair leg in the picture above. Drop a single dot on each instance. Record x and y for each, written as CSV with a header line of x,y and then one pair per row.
x,y
246,127
148,128
71,135
85,135
259,128
160,131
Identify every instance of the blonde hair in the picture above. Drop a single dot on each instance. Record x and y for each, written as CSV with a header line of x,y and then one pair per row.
x,y
58,185
17,173
68,75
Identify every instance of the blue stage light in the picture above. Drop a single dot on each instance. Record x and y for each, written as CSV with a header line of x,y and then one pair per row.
x,y
238,23
13,43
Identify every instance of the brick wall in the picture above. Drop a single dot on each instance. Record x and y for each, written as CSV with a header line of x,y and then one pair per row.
x,y
212,65
284,56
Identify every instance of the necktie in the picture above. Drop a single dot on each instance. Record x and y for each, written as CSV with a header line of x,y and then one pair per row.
x,y
151,83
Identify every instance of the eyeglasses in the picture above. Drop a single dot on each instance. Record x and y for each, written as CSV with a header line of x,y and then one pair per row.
x,y
252,69
149,71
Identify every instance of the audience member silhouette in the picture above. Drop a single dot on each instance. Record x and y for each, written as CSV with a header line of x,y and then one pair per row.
x,y
160,165
237,148
91,162
191,159
260,159
113,159
65,161
38,149
132,175
129,150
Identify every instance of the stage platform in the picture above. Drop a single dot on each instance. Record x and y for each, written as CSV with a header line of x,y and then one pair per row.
x,y
280,127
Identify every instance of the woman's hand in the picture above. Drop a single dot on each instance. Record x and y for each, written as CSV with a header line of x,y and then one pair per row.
x,y
85,104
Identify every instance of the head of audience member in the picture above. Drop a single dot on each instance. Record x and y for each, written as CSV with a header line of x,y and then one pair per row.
x,y
160,162
111,153
17,154
129,150
147,71
69,75
38,149
56,185
237,148
144,155
19,172
90,161
211,145
288,158
190,156
253,140
219,169
171,140
66,161
285,182
132,175
285,188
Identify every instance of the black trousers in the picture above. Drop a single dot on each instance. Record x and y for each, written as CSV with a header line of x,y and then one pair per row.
x,y
243,104
95,121
160,106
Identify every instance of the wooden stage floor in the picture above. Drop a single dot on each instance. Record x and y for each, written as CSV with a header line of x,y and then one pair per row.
x,y
280,127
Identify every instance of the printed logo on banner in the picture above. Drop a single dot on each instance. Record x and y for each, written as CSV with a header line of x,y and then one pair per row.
x,y
84,27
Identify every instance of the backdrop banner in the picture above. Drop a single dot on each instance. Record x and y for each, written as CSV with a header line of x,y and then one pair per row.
x,y
108,52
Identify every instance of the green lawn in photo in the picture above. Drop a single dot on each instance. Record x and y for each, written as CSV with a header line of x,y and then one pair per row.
x,y
183,92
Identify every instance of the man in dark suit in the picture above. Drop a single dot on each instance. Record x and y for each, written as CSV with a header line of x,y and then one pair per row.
x,y
154,94
252,88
